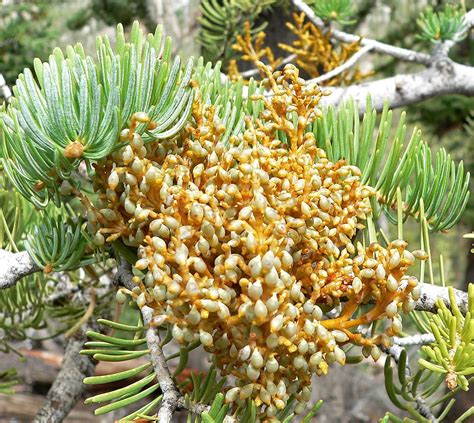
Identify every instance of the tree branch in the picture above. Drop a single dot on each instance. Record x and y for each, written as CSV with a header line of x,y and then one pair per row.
x,y
431,293
444,77
345,66
68,387
171,396
440,77
255,71
14,266
378,47
418,339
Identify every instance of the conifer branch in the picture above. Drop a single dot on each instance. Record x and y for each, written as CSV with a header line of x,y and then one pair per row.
x,y
430,294
441,75
442,78
418,339
14,266
345,66
68,387
171,394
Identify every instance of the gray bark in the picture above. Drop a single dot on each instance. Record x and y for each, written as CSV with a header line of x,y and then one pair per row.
x,y
14,266
68,386
431,293
443,77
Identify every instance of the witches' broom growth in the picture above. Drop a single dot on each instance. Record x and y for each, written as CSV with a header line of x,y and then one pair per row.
x,y
313,50
248,220
242,247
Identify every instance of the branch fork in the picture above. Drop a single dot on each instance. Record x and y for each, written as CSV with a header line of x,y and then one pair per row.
x,y
440,76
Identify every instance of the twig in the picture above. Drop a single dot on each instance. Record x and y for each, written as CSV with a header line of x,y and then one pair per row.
x,y
442,78
345,66
255,71
196,409
171,395
431,293
14,266
378,47
172,398
418,339
68,387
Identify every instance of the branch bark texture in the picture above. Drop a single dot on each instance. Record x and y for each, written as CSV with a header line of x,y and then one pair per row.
x,y
14,266
440,76
431,293
172,398
443,77
171,395
418,339
67,387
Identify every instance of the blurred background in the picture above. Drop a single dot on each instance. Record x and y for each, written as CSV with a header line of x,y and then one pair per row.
x,y
30,29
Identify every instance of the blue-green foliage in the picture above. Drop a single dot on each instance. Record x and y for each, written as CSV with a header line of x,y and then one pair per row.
x,y
79,99
334,10
390,160
447,24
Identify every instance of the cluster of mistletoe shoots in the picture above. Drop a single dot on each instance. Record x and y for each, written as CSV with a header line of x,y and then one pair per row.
x,y
312,50
248,247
